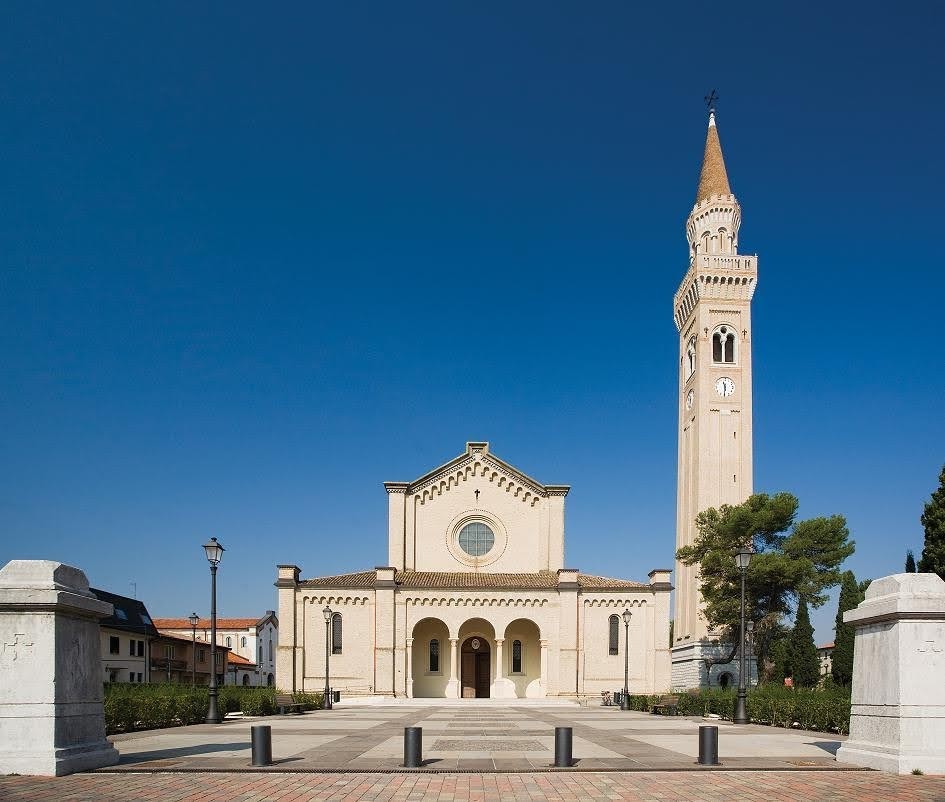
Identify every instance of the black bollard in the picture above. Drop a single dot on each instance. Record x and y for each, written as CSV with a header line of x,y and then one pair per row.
x,y
708,746
563,747
262,745
413,747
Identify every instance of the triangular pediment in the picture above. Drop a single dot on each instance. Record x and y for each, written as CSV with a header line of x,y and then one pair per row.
x,y
477,460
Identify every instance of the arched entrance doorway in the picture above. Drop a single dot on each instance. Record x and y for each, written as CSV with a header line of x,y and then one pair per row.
x,y
475,668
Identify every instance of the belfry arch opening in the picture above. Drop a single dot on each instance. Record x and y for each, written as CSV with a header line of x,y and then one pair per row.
x,y
723,345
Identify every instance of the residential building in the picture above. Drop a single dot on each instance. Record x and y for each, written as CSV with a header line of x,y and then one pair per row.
x,y
254,639
172,660
125,639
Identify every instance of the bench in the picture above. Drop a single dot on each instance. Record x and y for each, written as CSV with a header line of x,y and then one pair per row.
x,y
665,703
286,704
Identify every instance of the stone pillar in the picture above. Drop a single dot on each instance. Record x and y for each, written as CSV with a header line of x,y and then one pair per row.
x,y
503,688
569,659
410,668
452,687
543,677
53,722
288,649
897,721
385,631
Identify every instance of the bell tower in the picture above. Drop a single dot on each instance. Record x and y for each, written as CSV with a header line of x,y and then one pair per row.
x,y
712,311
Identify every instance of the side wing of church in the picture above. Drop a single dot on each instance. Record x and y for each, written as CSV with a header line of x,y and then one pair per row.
x,y
475,601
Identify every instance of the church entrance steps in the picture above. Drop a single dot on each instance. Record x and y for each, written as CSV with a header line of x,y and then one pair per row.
x,y
387,701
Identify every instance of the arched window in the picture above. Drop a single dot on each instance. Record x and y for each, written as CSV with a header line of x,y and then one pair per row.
x,y
260,653
336,633
723,344
270,650
516,657
229,642
614,635
243,641
435,656
691,357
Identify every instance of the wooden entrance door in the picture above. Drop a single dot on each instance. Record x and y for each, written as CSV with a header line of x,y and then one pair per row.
x,y
476,665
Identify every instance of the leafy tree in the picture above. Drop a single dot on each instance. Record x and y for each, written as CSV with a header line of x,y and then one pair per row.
x,y
933,520
802,651
910,562
842,659
792,559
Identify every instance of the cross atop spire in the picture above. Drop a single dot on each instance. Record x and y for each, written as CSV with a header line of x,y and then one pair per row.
x,y
713,180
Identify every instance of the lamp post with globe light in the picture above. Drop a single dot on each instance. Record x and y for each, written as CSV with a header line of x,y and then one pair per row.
x,y
193,618
326,702
742,558
214,554
625,699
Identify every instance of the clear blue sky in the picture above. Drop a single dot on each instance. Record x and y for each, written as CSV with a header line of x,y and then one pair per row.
x,y
256,261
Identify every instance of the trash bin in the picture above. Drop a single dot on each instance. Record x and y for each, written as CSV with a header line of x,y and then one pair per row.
x,y
335,696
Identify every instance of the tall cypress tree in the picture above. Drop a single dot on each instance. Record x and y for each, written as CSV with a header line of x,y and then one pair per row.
x,y
805,664
910,562
842,659
933,520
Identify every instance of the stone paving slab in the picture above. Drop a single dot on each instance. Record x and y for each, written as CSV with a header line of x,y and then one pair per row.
x,y
828,786
513,739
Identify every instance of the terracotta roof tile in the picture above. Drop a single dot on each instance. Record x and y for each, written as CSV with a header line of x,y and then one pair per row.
x,y
471,580
239,660
204,623
713,180
362,579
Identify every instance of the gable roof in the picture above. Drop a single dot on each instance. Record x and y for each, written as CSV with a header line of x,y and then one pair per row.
x,y
471,580
130,615
478,452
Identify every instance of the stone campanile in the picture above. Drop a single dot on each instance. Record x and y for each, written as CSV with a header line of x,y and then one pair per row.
x,y
712,311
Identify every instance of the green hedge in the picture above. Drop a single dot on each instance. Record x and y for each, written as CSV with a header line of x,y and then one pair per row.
x,y
146,707
823,710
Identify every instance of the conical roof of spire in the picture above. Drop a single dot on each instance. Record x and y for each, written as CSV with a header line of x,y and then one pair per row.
x,y
713,180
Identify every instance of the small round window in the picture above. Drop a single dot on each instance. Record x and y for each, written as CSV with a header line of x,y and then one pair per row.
x,y
476,539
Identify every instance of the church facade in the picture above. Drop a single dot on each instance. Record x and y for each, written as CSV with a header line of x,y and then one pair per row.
x,y
475,601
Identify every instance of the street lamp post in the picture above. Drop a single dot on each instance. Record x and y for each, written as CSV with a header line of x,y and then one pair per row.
x,y
214,554
625,699
193,618
750,626
742,558
326,702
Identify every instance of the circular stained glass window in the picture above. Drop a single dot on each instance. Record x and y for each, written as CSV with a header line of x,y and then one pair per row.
x,y
476,539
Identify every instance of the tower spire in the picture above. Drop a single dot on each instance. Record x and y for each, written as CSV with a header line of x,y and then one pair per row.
x,y
713,180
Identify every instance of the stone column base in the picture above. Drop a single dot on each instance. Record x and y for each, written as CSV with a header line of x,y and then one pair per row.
x,y
503,689
452,689
59,762
873,756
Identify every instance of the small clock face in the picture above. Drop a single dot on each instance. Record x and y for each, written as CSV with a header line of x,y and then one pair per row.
x,y
690,397
725,387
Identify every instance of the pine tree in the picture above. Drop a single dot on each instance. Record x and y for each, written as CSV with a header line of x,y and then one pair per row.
x,y
933,520
910,562
802,651
842,659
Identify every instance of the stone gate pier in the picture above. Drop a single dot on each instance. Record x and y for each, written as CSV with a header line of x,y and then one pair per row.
x,y
897,722
51,717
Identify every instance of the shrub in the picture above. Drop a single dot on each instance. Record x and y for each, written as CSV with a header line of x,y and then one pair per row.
x,y
823,710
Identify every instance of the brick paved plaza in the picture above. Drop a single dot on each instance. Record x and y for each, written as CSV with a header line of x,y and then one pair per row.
x,y
475,751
